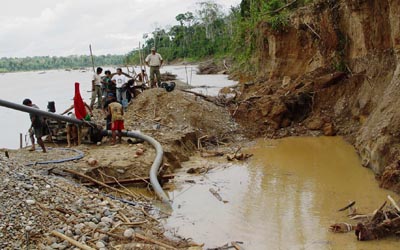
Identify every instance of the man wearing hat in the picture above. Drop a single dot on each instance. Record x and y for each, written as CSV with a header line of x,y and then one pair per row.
x,y
154,61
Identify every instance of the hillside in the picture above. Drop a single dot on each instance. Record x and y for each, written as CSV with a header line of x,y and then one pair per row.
x,y
334,69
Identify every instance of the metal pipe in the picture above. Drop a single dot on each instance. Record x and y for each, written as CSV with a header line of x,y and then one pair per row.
x,y
156,163
39,112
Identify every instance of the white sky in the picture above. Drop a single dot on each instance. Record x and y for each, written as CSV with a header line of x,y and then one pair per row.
x,y
67,27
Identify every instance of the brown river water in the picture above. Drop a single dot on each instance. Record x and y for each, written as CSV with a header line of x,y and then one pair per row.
x,y
284,197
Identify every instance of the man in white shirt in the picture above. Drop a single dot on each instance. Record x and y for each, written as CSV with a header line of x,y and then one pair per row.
x,y
154,61
96,89
120,81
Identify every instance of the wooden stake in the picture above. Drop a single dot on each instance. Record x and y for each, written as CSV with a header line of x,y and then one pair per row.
x,y
91,56
72,241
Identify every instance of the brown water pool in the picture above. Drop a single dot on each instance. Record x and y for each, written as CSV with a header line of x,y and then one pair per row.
x,y
284,197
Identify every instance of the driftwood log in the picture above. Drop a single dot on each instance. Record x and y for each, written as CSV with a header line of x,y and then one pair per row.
x,y
384,222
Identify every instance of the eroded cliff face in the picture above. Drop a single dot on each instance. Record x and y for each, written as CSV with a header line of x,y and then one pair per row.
x,y
301,87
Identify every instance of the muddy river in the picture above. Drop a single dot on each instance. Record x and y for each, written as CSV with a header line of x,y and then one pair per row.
x,y
285,197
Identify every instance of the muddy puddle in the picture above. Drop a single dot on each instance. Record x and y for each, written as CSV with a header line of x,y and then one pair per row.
x,y
285,197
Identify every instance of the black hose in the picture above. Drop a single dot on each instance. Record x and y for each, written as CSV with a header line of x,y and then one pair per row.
x,y
79,156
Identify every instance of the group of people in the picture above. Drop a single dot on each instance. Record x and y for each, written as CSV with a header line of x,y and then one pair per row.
x,y
113,92
122,85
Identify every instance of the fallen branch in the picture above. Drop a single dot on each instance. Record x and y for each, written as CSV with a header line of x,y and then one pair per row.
x,y
98,182
393,203
217,195
130,181
157,242
148,215
236,245
313,31
72,241
348,206
206,98
376,213
283,7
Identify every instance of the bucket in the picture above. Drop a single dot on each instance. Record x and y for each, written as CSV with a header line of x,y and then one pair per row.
x,y
51,106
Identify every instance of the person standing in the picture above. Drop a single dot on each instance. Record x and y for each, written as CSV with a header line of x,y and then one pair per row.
x,y
117,120
142,78
37,126
120,81
96,89
106,111
154,61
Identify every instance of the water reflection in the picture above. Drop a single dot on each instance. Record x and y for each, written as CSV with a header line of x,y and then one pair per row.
x,y
285,198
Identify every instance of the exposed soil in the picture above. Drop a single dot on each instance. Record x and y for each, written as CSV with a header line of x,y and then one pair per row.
x,y
333,70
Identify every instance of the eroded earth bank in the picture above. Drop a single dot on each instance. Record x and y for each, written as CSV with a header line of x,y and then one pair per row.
x,y
334,70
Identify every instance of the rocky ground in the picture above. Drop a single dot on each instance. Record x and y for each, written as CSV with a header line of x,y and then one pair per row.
x,y
35,207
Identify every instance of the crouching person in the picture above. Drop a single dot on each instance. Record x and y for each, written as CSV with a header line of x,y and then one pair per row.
x,y
37,127
117,120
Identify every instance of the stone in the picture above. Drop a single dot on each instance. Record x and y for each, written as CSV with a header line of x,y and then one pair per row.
x,y
30,202
328,129
285,81
92,161
128,233
315,124
106,220
100,244
92,225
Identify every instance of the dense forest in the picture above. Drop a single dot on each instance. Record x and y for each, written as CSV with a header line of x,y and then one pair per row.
x,y
207,32
210,32
54,62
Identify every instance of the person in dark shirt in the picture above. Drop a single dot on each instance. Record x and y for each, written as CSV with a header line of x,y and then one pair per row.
x,y
37,127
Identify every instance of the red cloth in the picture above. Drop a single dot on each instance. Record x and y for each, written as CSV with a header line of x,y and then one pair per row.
x,y
117,125
79,106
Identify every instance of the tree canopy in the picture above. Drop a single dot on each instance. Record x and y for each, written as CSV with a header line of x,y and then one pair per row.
x,y
54,62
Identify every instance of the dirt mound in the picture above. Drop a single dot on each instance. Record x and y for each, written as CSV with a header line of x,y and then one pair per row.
x,y
174,114
176,119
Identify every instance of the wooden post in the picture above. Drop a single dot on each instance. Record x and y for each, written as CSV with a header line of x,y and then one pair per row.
x,y
91,56
20,140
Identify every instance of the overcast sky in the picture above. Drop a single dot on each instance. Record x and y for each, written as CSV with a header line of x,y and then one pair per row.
x,y
67,27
